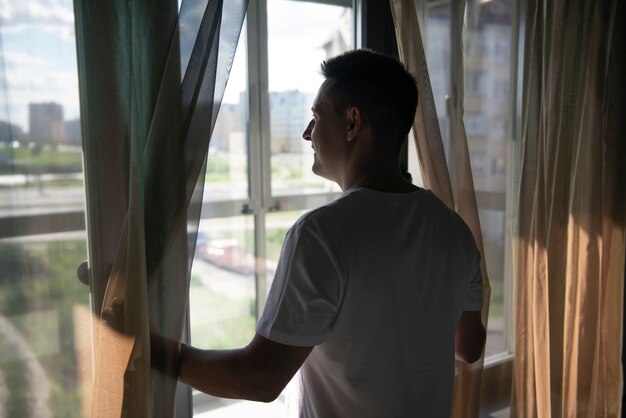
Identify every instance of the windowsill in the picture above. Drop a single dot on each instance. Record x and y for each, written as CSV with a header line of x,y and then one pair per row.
x,y
496,385
497,359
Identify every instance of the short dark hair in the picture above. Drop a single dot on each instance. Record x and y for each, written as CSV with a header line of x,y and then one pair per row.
x,y
377,84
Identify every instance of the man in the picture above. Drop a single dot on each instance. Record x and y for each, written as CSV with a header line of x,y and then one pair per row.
x,y
375,292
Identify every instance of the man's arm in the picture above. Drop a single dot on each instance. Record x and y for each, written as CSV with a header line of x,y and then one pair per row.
x,y
257,372
470,337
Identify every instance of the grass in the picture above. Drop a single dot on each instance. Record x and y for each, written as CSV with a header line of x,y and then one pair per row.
x,y
38,290
36,160
219,322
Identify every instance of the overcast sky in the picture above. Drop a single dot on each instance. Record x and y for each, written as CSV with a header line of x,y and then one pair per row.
x,y
40,53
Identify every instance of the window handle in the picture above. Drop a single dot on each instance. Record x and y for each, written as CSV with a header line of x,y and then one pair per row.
x,y
83,272
246,209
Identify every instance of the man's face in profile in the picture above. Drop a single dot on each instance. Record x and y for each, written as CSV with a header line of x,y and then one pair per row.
x,y
327,133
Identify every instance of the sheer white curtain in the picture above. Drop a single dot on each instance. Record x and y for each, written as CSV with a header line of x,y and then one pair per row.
x,y
408,18
151,80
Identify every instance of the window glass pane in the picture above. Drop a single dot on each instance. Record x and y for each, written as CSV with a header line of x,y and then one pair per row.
x,y
227,164
300,36
438,58
488,120
222,303
40,154
43,311
224,293
276,225
222,290
45,316
487,60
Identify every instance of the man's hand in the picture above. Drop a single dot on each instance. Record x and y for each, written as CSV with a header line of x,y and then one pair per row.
x,y
470,337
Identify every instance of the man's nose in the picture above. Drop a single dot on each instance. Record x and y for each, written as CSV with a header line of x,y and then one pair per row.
x,y
307,132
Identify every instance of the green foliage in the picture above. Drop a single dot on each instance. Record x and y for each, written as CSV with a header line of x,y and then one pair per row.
x,y
275,238
219,169
14,374
195,281
218,321
216,165
41,279
15,270
25,160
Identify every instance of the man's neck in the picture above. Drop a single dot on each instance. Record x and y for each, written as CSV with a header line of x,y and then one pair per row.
x,y
382,179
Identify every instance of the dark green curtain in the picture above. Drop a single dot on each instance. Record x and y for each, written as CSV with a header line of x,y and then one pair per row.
x,y
151,81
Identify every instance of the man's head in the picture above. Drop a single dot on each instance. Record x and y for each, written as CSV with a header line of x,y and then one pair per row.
x,y
361,114
378,85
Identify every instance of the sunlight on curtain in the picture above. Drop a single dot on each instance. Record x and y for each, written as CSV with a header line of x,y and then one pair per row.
x,y
152,79
456,191
570,273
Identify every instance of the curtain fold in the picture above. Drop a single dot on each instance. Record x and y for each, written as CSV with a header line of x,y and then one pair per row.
x,y
456,191
151,81
570,248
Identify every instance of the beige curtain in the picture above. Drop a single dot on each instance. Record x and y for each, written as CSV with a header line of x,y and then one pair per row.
x,y
570,249
434,169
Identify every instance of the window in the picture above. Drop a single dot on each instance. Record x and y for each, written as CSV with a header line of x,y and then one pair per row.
x,y
258,182
487,118
42,237
259,178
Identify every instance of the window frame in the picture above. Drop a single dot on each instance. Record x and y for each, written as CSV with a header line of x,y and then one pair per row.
x,y
260,201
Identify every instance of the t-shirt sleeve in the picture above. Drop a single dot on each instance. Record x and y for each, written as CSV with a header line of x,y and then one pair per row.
x,y
474,298
304,296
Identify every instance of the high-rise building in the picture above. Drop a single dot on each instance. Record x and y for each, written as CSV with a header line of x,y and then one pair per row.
x,y
340,40
290,113
73,135
45,123
487,77
486,104
230,124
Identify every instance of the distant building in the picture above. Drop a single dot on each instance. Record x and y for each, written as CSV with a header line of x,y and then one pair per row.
x,y
45,123
487,78
486,105
290,113
229,122
341,40
73,135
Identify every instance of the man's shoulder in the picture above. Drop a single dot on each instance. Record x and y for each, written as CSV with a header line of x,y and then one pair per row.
x,y
319,217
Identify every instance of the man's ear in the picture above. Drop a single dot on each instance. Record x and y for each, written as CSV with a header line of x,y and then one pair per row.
x,y
354,122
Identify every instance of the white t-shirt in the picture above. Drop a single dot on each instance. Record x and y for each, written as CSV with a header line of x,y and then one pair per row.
x,y
377,282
